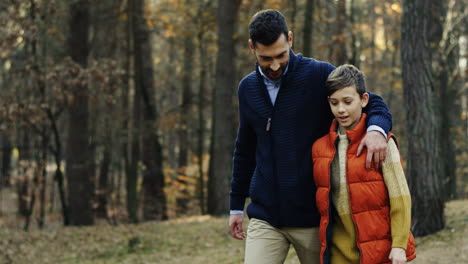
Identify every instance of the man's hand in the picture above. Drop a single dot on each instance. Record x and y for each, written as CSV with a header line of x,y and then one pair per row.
x,y
397,256
376,145
235,224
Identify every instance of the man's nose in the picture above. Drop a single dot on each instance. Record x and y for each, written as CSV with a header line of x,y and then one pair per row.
x,y
275,66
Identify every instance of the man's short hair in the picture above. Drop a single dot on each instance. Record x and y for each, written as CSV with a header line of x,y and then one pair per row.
x,y
267,26
344,76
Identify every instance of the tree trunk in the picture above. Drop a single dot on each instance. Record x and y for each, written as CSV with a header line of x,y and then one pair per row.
x,y
308,28
340,46
443,38
223,133
132,167
423,154
43,178
58,177
154,198
131,126
182,176
293,6
354,59
7,149
103,193
370,79
201,115
80,178
106,43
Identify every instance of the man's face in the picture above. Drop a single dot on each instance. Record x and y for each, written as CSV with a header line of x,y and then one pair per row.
x,y
274,58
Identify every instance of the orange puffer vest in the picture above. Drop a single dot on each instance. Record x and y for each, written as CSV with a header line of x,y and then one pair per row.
x,y
368,197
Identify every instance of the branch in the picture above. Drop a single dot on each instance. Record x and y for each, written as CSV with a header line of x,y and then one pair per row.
x,y
451,23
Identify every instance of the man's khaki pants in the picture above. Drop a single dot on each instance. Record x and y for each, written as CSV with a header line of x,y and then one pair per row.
x,y
269,245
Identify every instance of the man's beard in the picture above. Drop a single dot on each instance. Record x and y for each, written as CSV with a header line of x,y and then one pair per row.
x,y
274,75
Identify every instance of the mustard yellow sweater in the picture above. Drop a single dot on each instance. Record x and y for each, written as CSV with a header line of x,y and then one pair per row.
x,y
343,245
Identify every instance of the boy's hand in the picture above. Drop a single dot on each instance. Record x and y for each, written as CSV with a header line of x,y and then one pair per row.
x,y
235,224
376,145
397,256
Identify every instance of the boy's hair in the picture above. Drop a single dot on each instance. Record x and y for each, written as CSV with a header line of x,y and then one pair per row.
x,y
344,76
267,26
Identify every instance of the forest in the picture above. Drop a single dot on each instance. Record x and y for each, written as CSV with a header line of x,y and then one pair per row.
x,y
125,111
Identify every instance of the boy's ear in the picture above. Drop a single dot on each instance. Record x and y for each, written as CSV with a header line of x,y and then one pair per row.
x,y
364,100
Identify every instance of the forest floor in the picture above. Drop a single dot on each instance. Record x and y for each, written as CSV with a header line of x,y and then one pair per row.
x,y
194,240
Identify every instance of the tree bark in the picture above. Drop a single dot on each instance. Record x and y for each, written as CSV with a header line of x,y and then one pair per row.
x,y
293,6
340,46
370,79
154,198
443,38
103,193
423,154
354,59
223,133
184,144
80,178
201,108
7,149
58,177
132,153
43,178
308,28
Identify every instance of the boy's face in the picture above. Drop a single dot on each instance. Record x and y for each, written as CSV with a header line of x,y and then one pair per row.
x,y
274,58
346,106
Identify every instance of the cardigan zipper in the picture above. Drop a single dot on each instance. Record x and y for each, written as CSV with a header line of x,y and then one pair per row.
x,y
268,125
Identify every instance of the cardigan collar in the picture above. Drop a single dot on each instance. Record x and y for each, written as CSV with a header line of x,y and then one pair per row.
x,y
258,88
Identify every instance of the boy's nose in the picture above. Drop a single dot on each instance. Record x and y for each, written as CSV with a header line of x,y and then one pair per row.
x,y
341,109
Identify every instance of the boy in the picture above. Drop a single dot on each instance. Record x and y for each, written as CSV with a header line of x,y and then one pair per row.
x,y
365,214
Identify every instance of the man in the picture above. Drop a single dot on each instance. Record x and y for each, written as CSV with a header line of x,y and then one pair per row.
x,y
283,109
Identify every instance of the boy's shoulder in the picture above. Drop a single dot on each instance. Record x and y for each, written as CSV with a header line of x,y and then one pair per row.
x,y
322,147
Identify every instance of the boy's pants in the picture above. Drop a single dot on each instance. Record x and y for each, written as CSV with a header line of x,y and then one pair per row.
x,y
269,245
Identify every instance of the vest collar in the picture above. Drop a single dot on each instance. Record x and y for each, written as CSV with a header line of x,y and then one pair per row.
x,y
354,135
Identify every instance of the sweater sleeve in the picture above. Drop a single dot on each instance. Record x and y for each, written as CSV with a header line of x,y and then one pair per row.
x,y
244,159
378,113
400,199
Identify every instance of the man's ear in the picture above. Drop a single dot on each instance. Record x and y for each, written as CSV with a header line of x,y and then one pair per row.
x,y
252,46
364,100
290,39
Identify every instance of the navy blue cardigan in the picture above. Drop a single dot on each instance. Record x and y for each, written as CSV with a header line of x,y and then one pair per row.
x,y
272,157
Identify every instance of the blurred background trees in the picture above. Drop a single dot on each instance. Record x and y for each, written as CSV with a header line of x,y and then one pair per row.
x,y
125,110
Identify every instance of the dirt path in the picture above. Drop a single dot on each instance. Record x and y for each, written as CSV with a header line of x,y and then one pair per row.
x,y
194,240
450,245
